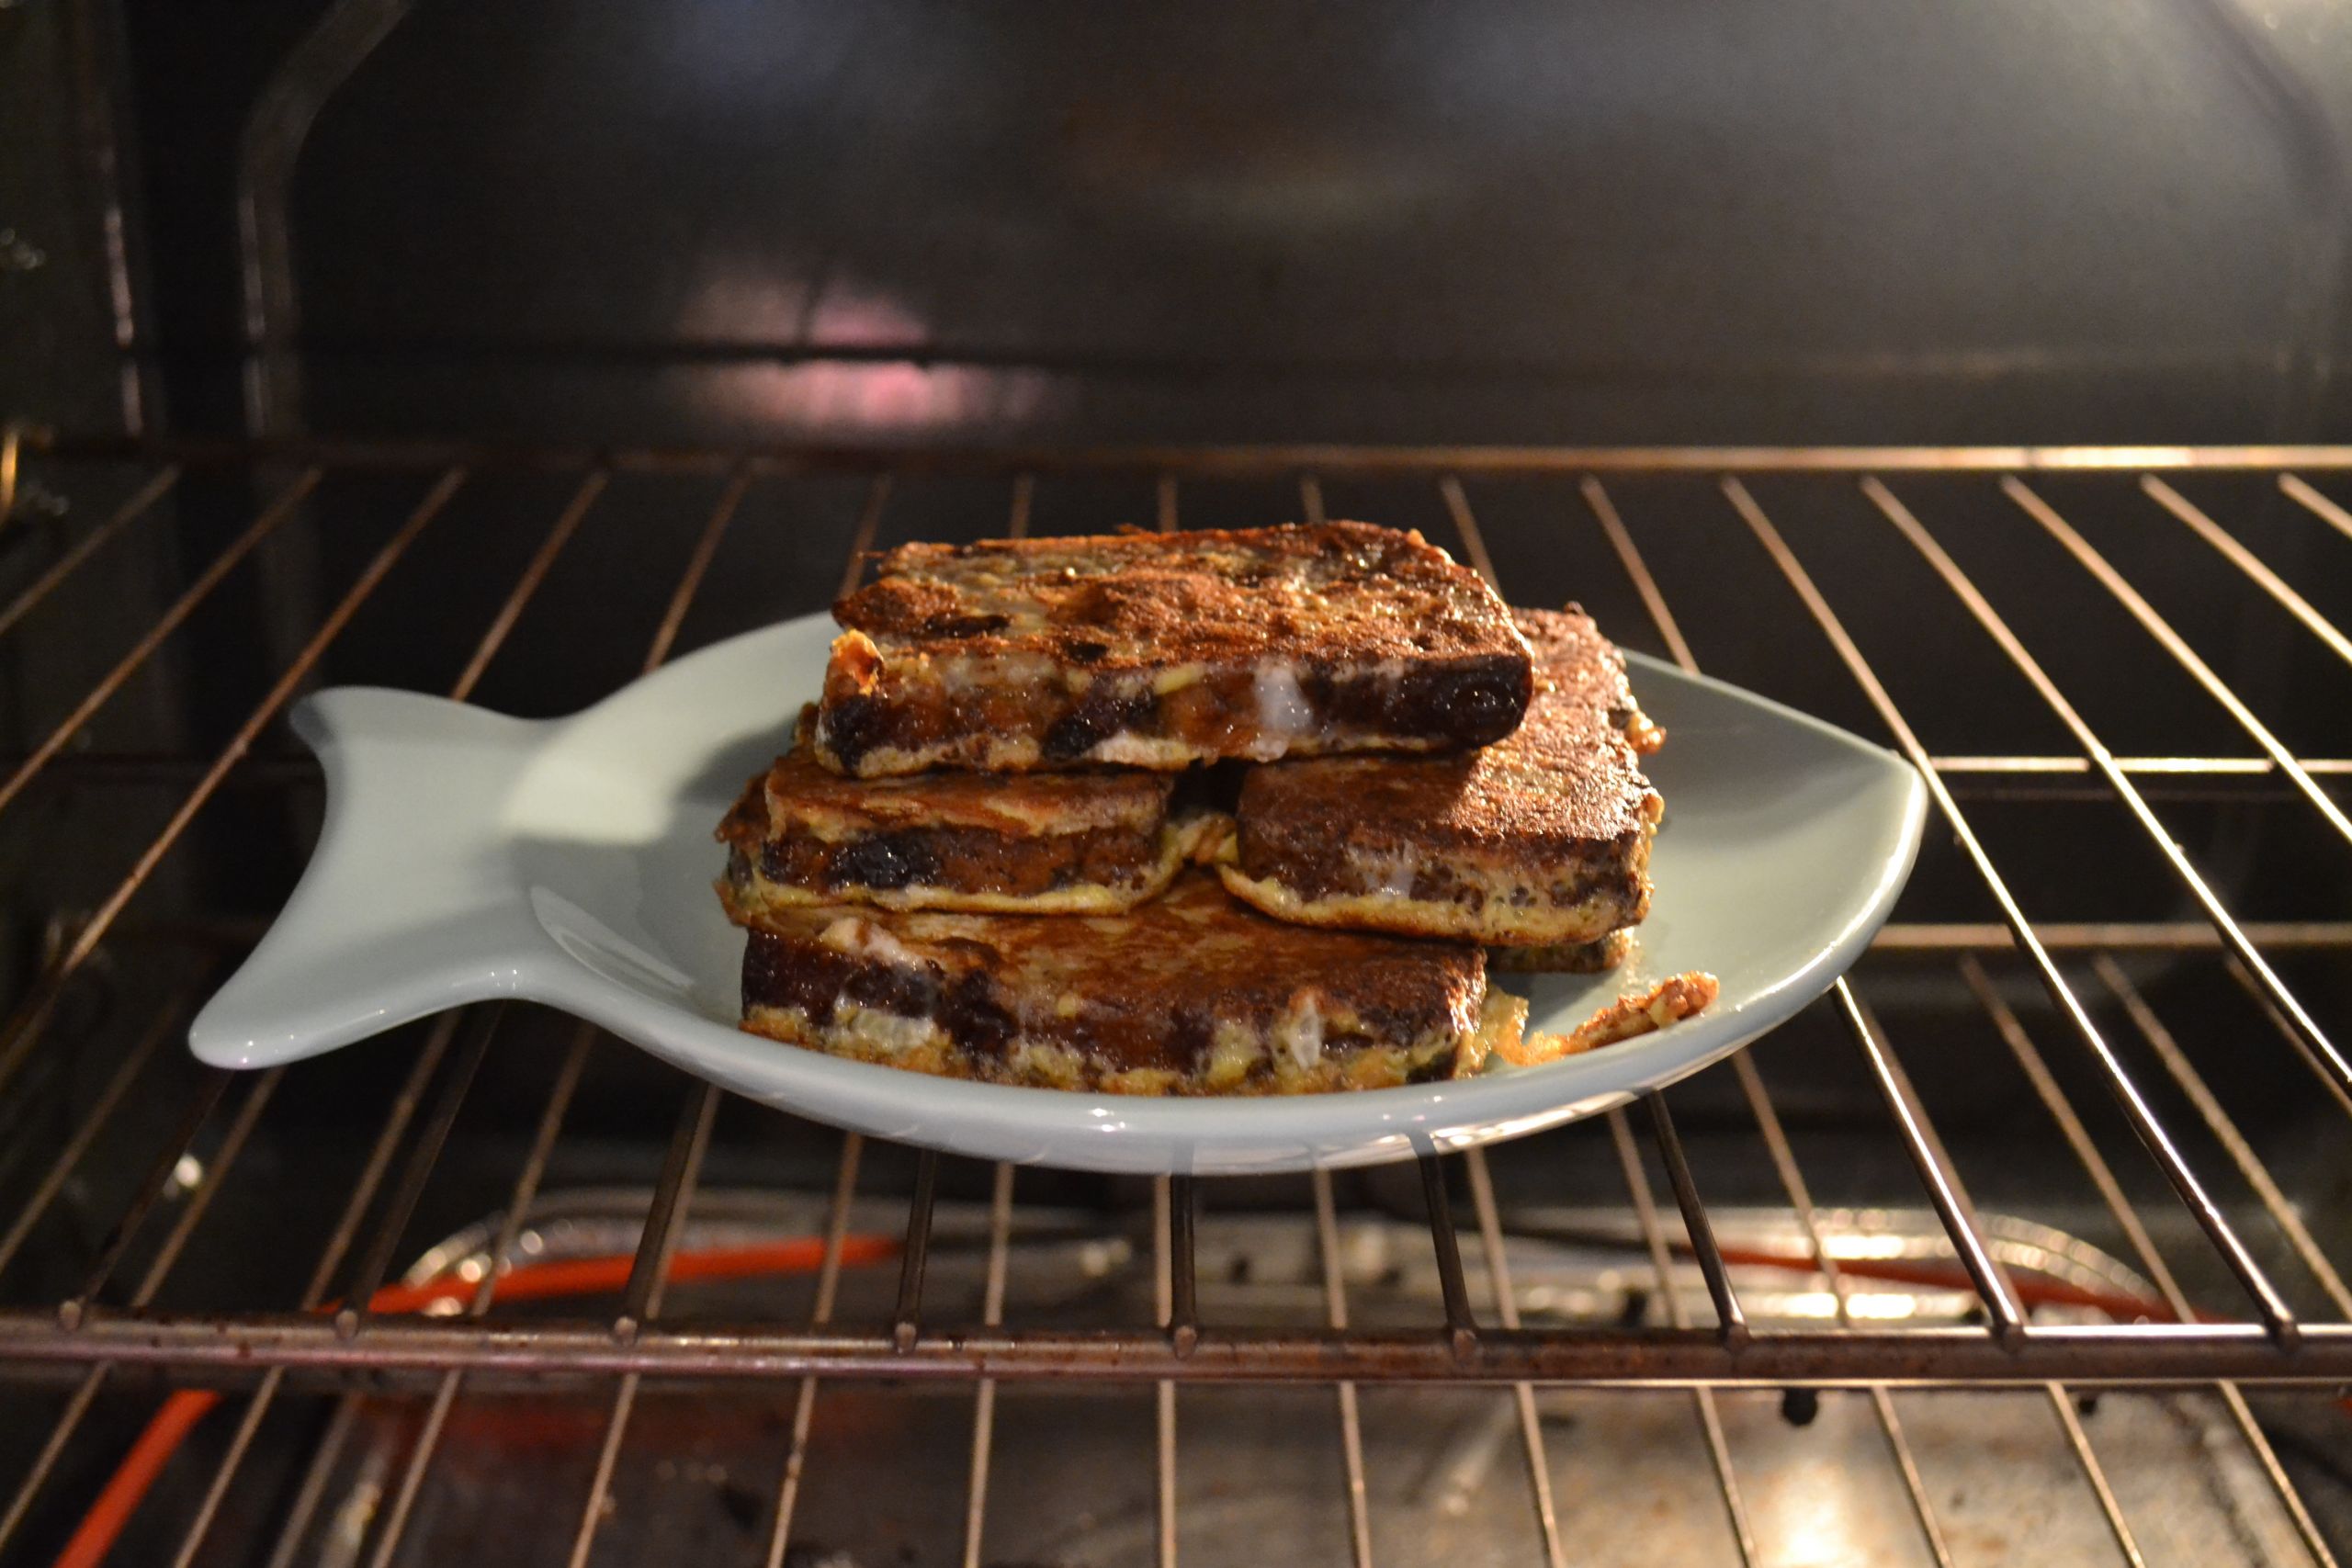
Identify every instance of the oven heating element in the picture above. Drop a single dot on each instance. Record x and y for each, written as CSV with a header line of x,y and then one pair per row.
x,y
354,1326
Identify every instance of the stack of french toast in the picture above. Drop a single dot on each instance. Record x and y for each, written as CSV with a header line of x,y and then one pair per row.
x,y
1240,812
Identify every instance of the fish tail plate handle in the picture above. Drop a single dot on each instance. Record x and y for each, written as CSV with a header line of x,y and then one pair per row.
x,y
411,903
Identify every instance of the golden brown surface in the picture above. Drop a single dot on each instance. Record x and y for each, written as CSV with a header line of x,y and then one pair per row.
x,y
1541,838
1585,670
1190,994
802,795
1092,843
1671,1000
1159,650
1595,957
1131,601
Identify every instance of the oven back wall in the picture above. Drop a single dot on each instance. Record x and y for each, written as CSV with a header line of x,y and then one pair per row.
x,y
1498,220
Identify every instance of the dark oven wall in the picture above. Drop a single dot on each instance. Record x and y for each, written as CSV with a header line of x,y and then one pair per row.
x,y
1502,221
919,225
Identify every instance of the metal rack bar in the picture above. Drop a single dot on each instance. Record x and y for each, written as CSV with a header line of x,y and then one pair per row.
x,y
2095,1474
2012,1030
2252,565
1163,1279
152,1185
141,502
1183,1293
1759,1102
1457,505
325,1457
1531,1426
1710,1420
437,1043
1760,1106
1024,495
228,1353
912,1257
2245,982
367,1278
2225,1132
1335,1314
673,1191
2255,767
2168,936
2182,654
870,524
1462,1327
975,1503
61,1432
1171,1253
804,1407
1945,1190
31,1014
1732,1324
281,506
1730,1320
2319,505
648,1274
828,1270
1226,461
665,1211
339,1245
1800,1194
70,1315
2007,1323
527,587
2200,1206
428,1444
93,1122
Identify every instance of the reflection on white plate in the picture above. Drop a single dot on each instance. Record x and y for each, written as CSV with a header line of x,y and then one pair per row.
x,y
467,856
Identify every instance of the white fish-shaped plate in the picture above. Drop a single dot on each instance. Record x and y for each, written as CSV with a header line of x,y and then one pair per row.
x,y
468,856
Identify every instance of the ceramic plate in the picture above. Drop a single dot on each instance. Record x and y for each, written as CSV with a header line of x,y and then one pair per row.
x,y
468,856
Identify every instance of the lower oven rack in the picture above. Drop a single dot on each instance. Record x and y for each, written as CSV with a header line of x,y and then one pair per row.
x,y
350,1328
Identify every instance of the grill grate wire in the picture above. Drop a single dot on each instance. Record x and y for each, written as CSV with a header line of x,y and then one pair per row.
x,y
2279,1350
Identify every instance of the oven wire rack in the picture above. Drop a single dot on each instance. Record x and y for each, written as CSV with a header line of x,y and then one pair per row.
x,y
103,1327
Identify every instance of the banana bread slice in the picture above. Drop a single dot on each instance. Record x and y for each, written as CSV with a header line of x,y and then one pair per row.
x,y
1039,843
1190,994
1159,650
1540,841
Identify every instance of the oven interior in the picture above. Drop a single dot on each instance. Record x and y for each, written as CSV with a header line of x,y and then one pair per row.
x,y
1964,375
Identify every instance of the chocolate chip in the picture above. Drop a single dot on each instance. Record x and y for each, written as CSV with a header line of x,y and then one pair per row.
x,y
964,625
1488,708
887,860
974,1019
911,992
1095,720
853,727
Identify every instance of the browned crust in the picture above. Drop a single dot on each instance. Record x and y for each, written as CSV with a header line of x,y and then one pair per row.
x,y
1595,957
1353,591
1542,838
1670,1001
1160,651
1091,842
801,794
1586,669
1190,994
